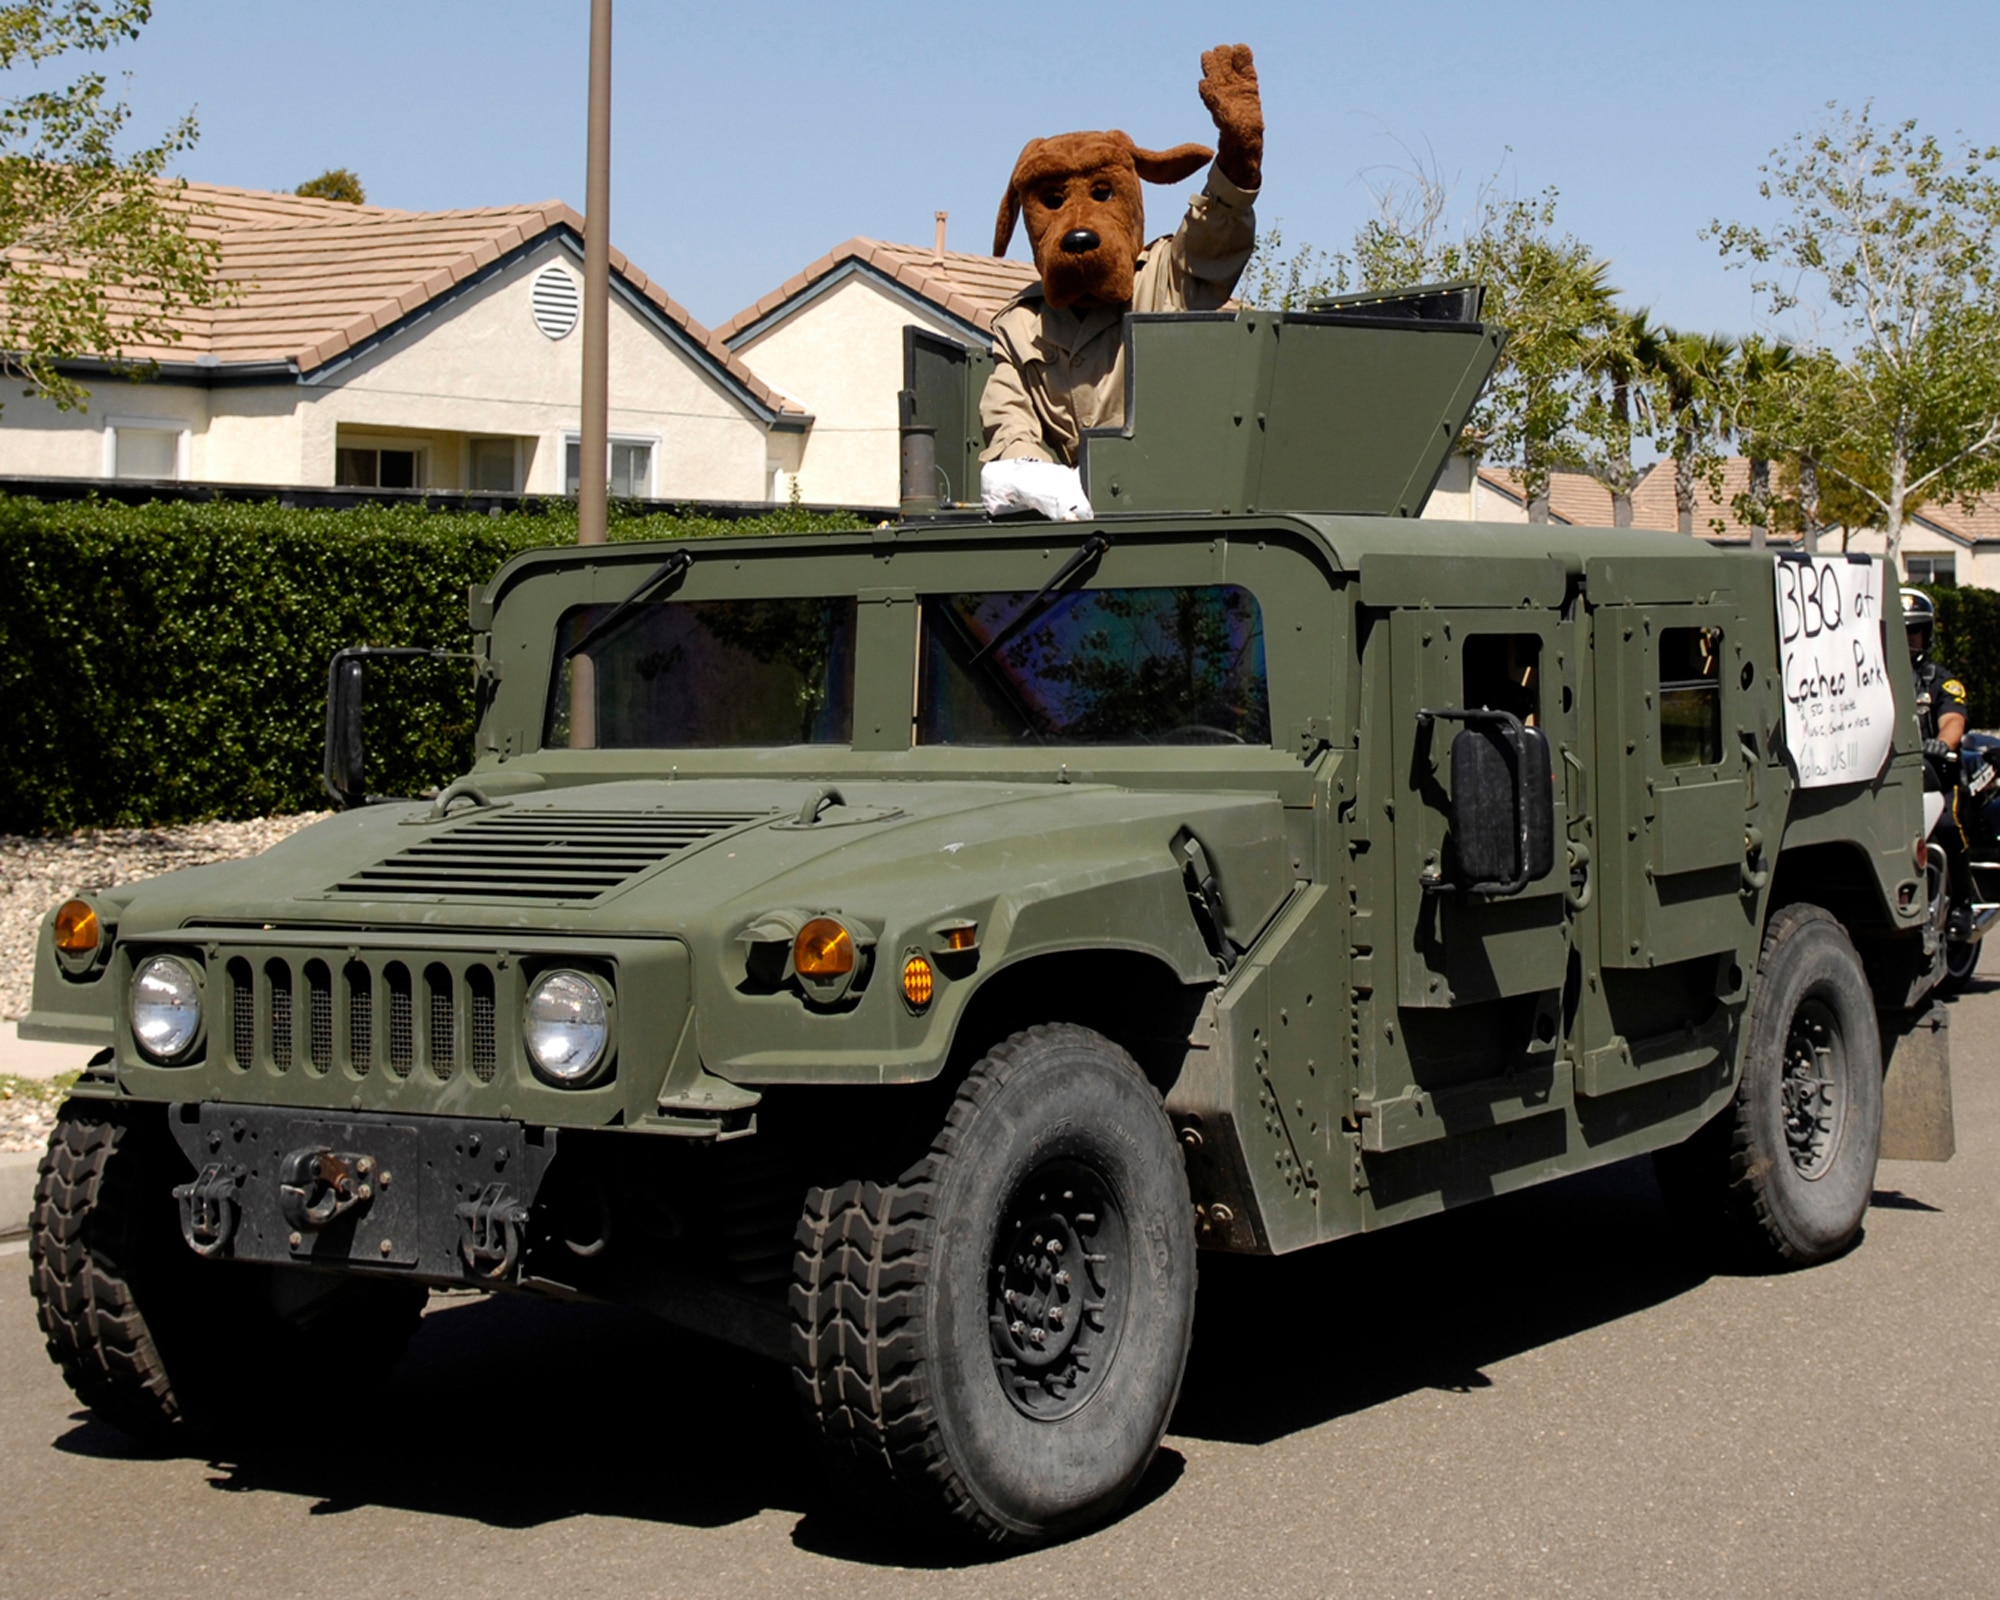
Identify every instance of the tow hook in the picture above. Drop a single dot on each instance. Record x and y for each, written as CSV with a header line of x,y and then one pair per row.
x,y
489,1235
316,1186
209,1208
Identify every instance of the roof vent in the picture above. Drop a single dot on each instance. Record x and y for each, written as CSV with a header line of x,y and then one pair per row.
x,y
555,301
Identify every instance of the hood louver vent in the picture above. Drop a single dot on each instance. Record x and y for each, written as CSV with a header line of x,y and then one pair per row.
x,y
540,855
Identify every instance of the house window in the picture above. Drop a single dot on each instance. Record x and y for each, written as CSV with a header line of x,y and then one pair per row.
x,y
142,452
489,466
631,475
369,468
1931,569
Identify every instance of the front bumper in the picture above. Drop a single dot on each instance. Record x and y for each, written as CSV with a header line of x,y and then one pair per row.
x,y
442,1199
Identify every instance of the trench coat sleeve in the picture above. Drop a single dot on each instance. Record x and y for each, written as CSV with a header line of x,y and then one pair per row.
x,y
1007,413
1197,269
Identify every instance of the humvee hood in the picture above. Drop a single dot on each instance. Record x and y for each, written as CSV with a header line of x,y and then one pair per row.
x,y
651,857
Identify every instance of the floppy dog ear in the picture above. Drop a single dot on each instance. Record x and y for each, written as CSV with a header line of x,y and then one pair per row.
x,y
1170,166
1010,202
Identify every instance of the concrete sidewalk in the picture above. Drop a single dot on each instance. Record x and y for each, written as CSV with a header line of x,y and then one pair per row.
x,y
17,1191
23,1058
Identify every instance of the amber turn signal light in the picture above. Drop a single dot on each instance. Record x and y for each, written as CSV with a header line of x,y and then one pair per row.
x,y
77,932
963,937
919,982
823,949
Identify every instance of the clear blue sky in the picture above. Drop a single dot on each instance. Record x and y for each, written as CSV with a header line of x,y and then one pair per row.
x,y
748,138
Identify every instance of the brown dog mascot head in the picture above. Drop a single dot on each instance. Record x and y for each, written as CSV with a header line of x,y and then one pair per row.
x,y
1079,193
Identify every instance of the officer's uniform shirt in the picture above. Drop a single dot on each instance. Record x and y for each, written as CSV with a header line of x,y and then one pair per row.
x,y
1938,692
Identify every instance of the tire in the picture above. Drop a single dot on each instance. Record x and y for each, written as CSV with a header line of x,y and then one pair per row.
x,y
154,1339
1961,960
1784,1174
959,1376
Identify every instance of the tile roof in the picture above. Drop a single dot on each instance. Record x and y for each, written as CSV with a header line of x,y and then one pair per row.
x,y
971,288
307,280
1981,522
1580,500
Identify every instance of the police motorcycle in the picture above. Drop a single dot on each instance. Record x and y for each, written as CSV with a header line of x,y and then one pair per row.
x,y
1961,817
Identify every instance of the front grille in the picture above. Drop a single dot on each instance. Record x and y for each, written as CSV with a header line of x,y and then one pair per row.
x,y
242,1014
443,1040
359,1013
319,1020
402,1022
279,975
485,1038
360,1017
540,855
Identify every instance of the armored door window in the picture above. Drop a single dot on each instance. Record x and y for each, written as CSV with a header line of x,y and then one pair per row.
x,y
1502,672
1690,698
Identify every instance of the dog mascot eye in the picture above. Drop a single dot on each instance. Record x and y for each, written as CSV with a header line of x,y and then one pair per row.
x,y
1100,192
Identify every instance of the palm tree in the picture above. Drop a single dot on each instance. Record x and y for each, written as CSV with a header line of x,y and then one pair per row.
x,y
1693,369
1625,359
1759,408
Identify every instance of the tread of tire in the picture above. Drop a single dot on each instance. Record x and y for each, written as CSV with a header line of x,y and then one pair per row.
x,y
1746,1204
857,1361
83,1300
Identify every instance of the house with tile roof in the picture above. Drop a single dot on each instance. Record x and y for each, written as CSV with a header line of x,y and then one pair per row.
x,y
374,348
830,340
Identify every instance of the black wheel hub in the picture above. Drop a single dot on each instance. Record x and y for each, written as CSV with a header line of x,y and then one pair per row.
x,y
1059,1282
1813,1089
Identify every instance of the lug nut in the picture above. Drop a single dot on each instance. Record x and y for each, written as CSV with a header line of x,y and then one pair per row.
x,y
1055,1247
1062,1280
1037,1337
386,1246
296,1240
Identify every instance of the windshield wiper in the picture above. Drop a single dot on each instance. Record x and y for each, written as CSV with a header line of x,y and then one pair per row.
x,y
1087,552
668,570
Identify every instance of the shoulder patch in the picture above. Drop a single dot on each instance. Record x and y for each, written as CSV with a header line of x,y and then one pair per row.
x,y
1954,687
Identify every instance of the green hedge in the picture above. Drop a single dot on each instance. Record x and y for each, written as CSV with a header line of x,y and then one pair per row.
x,y
167,662
1968,641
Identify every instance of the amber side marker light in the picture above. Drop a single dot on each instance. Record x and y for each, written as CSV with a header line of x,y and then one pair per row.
x,y
918,982
77,932
963,937
823,949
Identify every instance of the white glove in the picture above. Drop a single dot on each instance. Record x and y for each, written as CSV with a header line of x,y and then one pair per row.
x,y
1028,485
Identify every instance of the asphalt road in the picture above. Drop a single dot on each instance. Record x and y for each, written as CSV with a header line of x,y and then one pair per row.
x,y
1536,1396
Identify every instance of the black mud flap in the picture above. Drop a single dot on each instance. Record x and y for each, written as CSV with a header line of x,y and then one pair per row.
x,y
444,1199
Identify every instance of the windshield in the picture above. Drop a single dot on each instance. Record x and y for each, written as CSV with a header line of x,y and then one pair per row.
x,y
1097,666
690,674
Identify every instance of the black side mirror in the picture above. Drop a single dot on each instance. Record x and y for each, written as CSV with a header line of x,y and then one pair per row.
x,y
1503,825
346,760
344,766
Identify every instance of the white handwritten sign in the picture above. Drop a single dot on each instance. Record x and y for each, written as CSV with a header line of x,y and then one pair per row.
x,y
1839,709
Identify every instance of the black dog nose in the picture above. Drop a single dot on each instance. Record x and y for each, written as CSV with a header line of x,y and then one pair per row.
x,y
1079,241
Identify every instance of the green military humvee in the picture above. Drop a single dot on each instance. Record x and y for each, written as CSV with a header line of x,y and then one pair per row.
x,y
901,952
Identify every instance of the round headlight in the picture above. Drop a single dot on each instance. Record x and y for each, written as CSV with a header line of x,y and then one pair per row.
x,y
165,1006
568,1026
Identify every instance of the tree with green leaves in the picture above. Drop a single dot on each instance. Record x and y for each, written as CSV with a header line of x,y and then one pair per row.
x,y
337,184
1546,288
1621,366
97,252
1891,239
1693,374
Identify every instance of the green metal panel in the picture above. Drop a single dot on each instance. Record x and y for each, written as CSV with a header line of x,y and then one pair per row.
x,y
1267,411
944,380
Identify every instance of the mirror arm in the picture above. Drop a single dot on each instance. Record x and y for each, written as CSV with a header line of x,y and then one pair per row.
x,y
1517,736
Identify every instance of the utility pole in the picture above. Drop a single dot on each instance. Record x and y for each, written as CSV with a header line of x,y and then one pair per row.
x,y
594,444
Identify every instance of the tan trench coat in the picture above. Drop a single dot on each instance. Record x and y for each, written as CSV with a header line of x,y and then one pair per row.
x,y
1057,371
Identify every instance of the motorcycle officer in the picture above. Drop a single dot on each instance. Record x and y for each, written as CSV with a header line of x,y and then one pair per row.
x,y
1941,702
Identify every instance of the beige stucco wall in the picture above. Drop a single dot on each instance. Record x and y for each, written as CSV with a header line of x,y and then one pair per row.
x,y
841,356
36,439
1462,495
481,366
476,366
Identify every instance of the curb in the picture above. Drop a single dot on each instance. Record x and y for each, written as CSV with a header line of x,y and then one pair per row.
x,y
17,1192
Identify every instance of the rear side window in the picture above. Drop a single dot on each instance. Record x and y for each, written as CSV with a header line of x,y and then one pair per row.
x,y
1690,697
695,674
1095,666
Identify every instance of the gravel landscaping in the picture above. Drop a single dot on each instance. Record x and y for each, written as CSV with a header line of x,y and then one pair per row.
x,y
39,874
